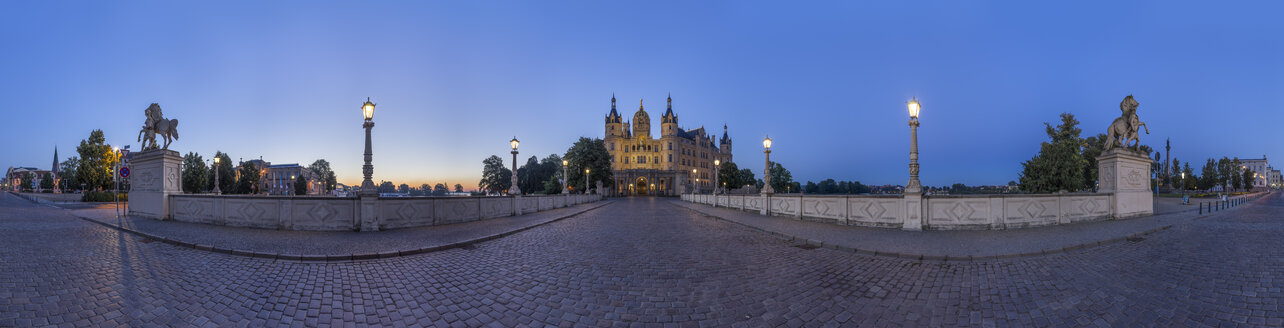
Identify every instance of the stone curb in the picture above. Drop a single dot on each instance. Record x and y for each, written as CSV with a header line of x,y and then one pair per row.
x,y
338,257
923,257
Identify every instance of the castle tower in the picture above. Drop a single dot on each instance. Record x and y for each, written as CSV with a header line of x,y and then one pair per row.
x,y
613,126
642,122
669,122
724,146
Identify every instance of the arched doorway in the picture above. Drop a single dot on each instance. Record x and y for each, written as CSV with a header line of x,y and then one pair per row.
x,y
641,188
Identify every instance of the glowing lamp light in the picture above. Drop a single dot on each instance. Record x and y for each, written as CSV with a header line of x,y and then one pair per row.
x,y
766,143
565,163
717,162
367,109
913,108
513,142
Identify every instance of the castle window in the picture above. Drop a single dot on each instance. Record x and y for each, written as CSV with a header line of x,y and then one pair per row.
x,y
626,159
670,158
612,146
670,146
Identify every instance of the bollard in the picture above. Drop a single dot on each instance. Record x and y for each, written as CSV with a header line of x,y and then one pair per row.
x,y
1201,208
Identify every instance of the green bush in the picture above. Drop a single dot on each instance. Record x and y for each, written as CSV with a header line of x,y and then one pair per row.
x,y
102,196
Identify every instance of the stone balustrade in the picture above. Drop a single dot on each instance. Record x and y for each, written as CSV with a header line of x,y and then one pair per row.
x,y
954,212
343,214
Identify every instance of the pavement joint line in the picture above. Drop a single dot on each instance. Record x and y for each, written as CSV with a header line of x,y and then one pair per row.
x,y
922,257
339,258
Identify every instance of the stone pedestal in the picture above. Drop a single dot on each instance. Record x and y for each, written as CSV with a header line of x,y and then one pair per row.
x,y
154,175
369,212
1126,174
913,212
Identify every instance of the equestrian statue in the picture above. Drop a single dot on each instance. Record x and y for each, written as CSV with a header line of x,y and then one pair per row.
x,y
157,124
1124,129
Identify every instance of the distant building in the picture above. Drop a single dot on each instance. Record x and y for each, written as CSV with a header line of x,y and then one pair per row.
x,y
277,179
1261,171
14,178
643,165
1275,179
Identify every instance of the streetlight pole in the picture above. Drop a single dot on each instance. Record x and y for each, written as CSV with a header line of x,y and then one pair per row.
x,y
586,181
367,170
914,186
514,190
695,174
566,189
766,176
217,191
291,191
717,168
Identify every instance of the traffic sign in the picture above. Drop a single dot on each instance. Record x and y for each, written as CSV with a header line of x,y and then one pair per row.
x,y
124,155
124,171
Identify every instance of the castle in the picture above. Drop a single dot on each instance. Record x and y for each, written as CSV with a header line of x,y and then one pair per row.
x,y
679,161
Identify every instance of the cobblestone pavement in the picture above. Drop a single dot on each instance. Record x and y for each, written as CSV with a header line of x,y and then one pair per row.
x,y
641,262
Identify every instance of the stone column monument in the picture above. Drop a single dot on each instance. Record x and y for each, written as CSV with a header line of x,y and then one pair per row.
x,y
155,171
1123,171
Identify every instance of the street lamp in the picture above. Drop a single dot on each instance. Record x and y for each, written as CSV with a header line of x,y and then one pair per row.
x,y
514,190
566,189
766,177
291,191
586,181
367,185
717,168
217,191
697,181
913,186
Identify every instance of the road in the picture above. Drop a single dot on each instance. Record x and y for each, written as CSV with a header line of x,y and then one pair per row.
x,y
640,262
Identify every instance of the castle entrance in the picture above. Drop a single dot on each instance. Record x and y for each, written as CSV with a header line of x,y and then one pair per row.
x,y
641,188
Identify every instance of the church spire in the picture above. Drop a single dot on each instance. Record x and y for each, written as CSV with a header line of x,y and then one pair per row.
x,y
640,104
612,101
670,101
55,163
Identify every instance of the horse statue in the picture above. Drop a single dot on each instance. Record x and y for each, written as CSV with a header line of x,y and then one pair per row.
x,y
1124,129
157,124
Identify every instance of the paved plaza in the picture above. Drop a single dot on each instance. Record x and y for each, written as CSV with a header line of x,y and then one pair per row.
x,y
642,262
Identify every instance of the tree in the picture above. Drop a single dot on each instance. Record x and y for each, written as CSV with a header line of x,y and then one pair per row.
x,y
323,173
195,173
439,190
1174,174
226,174
589,154
781,180
1092,148
747,178
1247,177
386,187
46,182
68,172
1208,175
425,190
97,161
1237,179
1189,181
1059,164
301,185
495,177
247,179
530,177
403,188
459,188
729,175
27,179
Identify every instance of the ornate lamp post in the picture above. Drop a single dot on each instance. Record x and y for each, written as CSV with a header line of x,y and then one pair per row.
x,y
766,177
913,186
697,181
291,191
367,185
586,181
514,190
566,189
217,191
717,168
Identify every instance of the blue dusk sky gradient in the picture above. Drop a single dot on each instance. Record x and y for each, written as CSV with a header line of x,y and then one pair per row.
x,y
827,80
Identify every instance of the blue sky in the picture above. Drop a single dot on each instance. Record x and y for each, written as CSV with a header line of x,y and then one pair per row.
x,y
455,80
